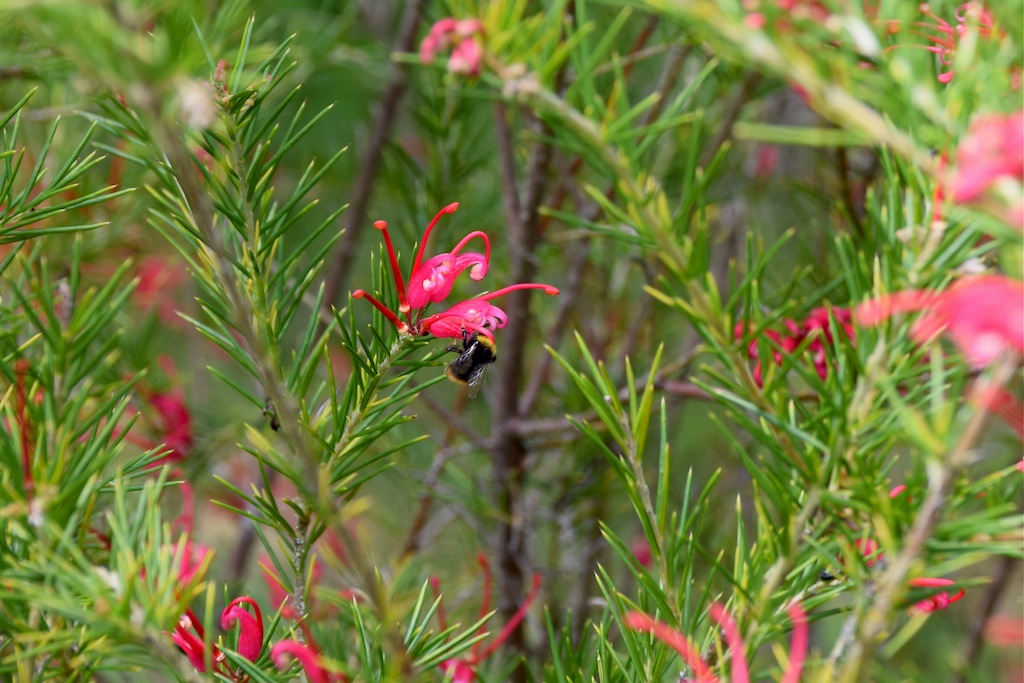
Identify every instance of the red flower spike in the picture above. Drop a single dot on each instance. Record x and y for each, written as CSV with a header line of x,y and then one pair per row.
x,y
431,281
310,661
466,58
250,635
982,315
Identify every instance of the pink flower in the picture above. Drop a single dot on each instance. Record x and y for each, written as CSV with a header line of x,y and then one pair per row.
x,y
638,621
984,315
459,35
816,327
940,600
464,670
190,637
431,281
992,149
250,634
173,420
869,550
309,659
193,562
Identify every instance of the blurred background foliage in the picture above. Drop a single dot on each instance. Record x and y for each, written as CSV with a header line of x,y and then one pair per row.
x,y
650,151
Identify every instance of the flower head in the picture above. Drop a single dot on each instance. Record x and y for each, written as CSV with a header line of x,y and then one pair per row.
x,y
983,315
431,281
461,36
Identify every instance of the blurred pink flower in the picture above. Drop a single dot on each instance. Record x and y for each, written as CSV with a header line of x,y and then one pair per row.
x,y
309,659
940,600
160,282
461,37
431,281
463,670
815,327
983,315
993,148
638,621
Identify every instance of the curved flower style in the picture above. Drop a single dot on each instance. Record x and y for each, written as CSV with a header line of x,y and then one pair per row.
x,y
945,37
982,315
431,281
638,621
464,670
250,634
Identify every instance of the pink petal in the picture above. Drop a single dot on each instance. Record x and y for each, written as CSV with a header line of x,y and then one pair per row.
x,y
250,636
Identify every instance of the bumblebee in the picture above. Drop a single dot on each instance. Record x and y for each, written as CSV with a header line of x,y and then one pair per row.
x,y
475,354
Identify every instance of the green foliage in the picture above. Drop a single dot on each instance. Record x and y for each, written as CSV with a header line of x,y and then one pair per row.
x,y
699,425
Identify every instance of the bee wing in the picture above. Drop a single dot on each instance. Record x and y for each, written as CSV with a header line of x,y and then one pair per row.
x,y
476,380
461,366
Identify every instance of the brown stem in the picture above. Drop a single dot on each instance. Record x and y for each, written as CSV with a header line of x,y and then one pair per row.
x,y
348,244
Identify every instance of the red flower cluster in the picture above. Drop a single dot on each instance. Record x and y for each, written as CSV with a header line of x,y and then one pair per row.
x,y
459,35
431,281
638,621
815,327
